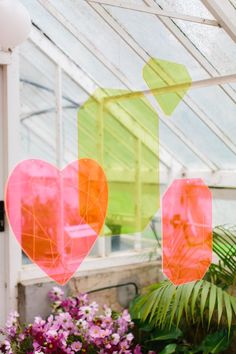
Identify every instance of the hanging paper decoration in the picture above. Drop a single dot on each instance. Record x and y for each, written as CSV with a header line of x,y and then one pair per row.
x,y
123,136
187,230
57,215
160,74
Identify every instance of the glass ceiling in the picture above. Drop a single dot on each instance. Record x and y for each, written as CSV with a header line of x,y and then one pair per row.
x,y
111,46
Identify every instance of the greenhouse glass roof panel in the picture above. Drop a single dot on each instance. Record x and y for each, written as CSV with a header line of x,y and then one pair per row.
x,y
203,138
219,107
120,42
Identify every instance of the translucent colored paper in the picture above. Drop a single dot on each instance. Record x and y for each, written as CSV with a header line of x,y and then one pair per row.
x,y
57,215
122,135
187,230
162,73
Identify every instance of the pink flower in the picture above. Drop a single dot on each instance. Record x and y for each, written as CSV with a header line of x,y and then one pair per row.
x,y
115,338
76,346
95,332
129,337
56,294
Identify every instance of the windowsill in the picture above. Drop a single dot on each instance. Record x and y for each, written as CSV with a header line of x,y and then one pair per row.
x,y
32,274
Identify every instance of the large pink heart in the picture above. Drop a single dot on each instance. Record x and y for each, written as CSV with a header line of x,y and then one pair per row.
x,y
57,215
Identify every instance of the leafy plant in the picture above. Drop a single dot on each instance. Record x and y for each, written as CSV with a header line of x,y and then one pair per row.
x,y
165,304
207,306
224,272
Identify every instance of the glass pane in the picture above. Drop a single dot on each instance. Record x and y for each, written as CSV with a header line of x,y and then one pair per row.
x,y
178,148
37,76
202,137
217,106
73,97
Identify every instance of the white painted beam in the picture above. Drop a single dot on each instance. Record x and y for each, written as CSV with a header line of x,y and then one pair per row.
x,y
225,14
213,81
153,10
222,178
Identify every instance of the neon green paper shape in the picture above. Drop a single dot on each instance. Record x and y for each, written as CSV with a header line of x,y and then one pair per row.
x,y
122,135
161,73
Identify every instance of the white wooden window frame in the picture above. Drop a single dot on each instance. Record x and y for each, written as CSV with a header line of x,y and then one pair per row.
x,y
9,148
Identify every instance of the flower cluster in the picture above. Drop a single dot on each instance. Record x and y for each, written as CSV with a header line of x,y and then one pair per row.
x,y
73,327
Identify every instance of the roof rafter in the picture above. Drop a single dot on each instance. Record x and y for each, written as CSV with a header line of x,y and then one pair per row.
x,y
213,81
155,11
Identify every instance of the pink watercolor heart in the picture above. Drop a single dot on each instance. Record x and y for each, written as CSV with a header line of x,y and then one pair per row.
x,y
57,215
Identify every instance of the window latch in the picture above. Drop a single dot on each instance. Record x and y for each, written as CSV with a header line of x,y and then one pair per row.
x,y
2,216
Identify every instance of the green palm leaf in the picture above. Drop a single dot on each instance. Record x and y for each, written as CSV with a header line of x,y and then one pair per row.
x,y
166,305
169,304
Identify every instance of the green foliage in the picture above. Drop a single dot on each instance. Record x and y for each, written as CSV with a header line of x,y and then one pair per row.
x,y
224,246
207,306
214,343
170,348
168,304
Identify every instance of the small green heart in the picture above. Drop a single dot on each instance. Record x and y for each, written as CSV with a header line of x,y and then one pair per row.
x,y
161,73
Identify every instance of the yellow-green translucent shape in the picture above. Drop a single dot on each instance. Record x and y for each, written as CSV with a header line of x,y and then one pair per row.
x,y
122,148
160,73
